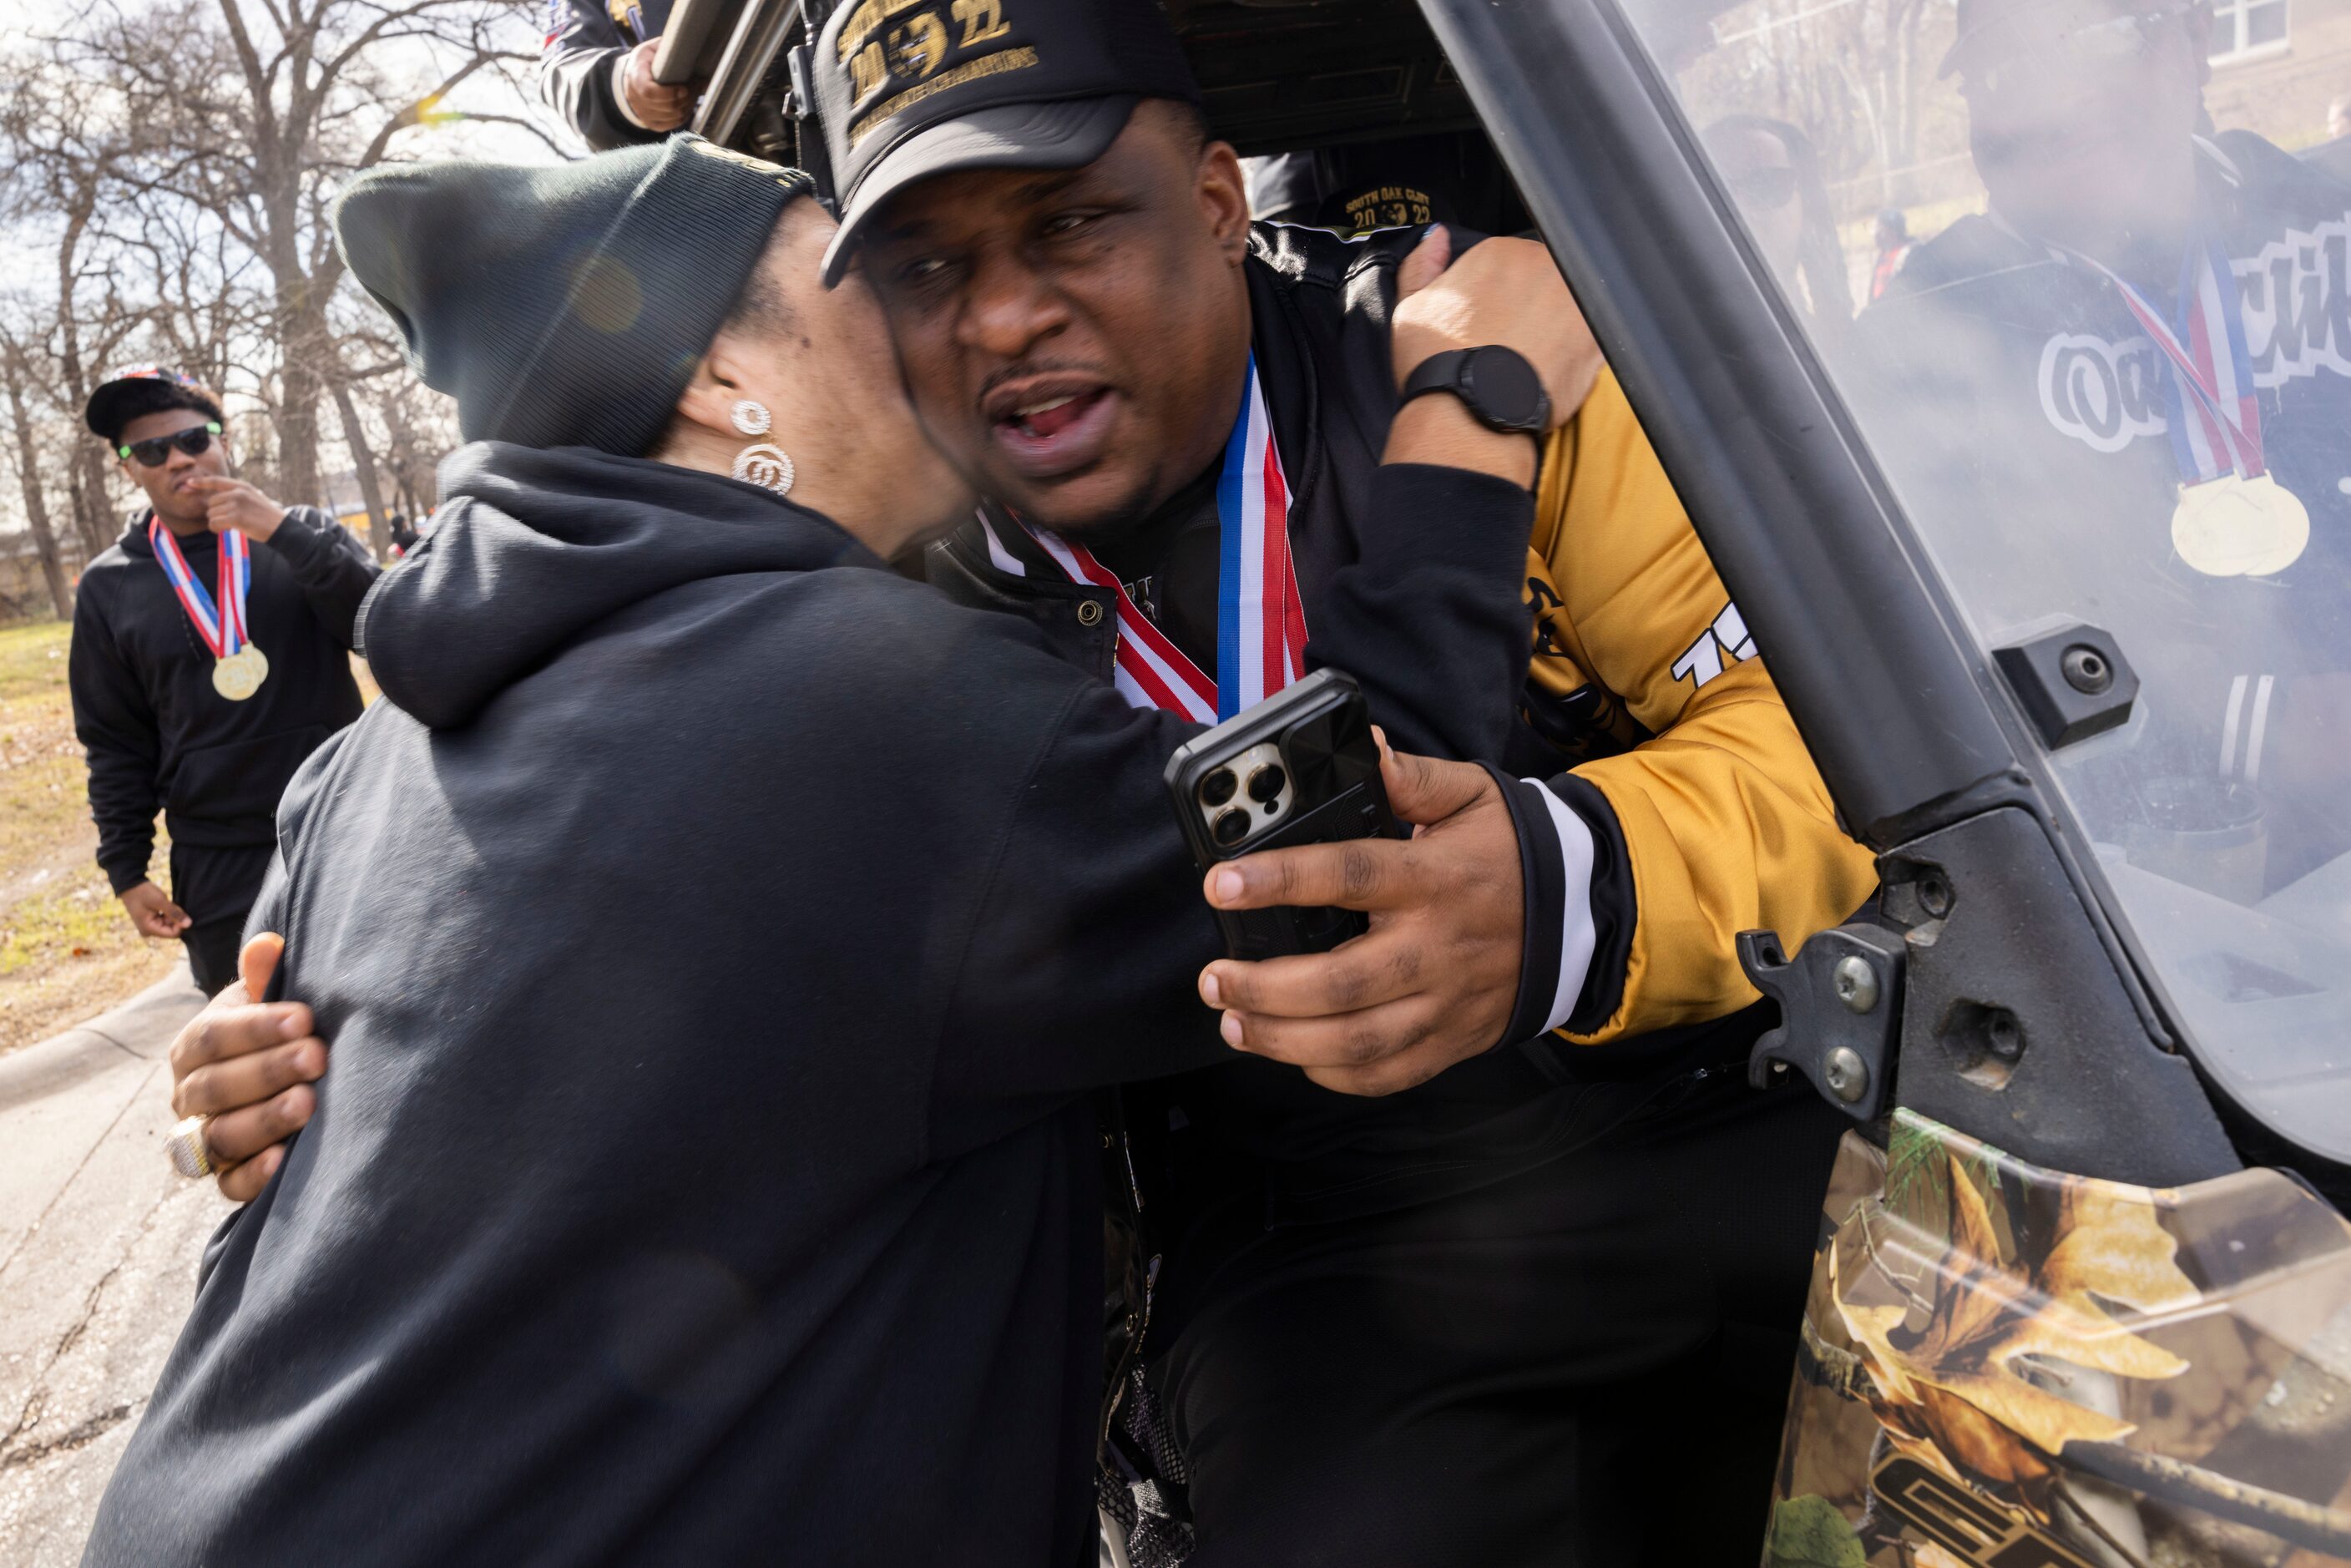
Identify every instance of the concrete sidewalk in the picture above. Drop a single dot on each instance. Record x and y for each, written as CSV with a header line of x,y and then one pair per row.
x,y
99,1244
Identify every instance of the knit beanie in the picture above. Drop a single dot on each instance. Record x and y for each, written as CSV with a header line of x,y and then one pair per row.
x,y
564,305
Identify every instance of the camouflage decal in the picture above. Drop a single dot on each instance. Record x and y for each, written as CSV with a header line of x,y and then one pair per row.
x,y
2011,1368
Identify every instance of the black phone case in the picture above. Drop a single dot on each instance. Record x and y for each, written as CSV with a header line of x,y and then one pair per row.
x,y
1323,732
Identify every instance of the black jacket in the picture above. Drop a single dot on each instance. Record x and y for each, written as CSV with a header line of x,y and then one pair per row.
x,y
159,736
708,1173
584,39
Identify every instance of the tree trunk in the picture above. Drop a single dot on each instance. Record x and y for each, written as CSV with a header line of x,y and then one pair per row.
x,y
413,475
93,517
36,503
363,460
298,424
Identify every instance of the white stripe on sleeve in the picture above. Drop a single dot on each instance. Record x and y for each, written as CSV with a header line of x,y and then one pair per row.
x,y
2228,727
1576,935
2258,728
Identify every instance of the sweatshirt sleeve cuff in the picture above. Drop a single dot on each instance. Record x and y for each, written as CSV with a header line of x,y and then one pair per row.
x,y
1448,516
123,876
620,86
298,536
1555,855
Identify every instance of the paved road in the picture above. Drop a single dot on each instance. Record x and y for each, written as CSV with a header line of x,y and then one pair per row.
x,y
99,1243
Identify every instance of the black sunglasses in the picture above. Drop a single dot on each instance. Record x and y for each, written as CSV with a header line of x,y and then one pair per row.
x,y
156,451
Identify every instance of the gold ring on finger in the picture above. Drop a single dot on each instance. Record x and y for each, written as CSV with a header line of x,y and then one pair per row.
x,y
190,1156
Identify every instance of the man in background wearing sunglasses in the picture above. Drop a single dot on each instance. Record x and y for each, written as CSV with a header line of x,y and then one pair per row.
x,y
197,689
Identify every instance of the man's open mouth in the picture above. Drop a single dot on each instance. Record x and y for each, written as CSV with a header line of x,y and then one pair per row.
x,y
1051,428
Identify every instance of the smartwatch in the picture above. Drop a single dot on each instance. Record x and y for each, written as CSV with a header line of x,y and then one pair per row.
x,y
1497,385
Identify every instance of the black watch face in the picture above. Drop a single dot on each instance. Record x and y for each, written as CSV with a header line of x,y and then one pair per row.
x,y
1504,389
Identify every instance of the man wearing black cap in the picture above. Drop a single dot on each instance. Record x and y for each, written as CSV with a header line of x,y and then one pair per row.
x,y
196,689
708,1173
1138,379
2136,370
1384,1336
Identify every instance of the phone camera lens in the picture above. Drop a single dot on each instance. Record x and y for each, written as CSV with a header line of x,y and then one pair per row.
x,y
1217,787
1231,828
1267,782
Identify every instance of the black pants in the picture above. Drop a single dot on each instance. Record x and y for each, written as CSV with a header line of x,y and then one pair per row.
x,y
1583,1366
217,887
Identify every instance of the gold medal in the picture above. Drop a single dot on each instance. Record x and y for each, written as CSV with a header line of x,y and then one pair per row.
x,y
240,674
2236,526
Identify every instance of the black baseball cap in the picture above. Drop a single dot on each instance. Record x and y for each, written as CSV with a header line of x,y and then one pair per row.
x,y
142,390
907,92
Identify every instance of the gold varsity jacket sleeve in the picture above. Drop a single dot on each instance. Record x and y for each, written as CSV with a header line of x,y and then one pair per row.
x,y
1725,823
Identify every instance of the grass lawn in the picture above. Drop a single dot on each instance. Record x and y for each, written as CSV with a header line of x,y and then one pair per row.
x,y
67,950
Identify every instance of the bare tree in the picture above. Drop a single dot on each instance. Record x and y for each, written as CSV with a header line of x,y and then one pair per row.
x,y
175,164
65,159
258,112
16,377
1852,75
418,429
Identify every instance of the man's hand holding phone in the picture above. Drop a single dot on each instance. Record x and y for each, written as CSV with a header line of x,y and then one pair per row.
x,y
1434,979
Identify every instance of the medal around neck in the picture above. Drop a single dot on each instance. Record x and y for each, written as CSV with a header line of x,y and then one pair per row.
x,y
240,674
238,667
2235,519
2236,526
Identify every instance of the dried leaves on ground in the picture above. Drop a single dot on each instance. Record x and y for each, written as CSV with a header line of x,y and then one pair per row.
x,y
67,950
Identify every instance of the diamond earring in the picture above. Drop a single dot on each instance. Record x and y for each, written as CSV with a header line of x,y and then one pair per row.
x,y
762,462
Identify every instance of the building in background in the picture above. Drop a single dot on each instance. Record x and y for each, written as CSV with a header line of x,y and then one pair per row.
x,y
1858,79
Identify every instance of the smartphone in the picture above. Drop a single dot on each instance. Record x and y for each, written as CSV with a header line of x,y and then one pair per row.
x,y
1300,767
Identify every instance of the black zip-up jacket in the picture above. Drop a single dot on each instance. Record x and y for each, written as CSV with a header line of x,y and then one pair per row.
x,y
585,40
159,736
1321,308
709,1155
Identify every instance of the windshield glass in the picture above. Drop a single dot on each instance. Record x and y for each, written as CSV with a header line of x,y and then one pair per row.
x,y
2079,269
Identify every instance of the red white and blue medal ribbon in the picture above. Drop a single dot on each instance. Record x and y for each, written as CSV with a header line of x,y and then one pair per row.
x,y
2233,519
2217,424
222,628
1261,619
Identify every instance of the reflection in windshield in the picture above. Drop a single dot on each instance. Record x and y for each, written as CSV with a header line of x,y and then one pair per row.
x,y
2104,352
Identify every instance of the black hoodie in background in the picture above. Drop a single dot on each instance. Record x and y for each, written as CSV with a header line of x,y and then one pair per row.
x,y
159,736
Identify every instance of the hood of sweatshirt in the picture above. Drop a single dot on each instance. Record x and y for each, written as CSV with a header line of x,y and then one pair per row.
x,y
532,548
